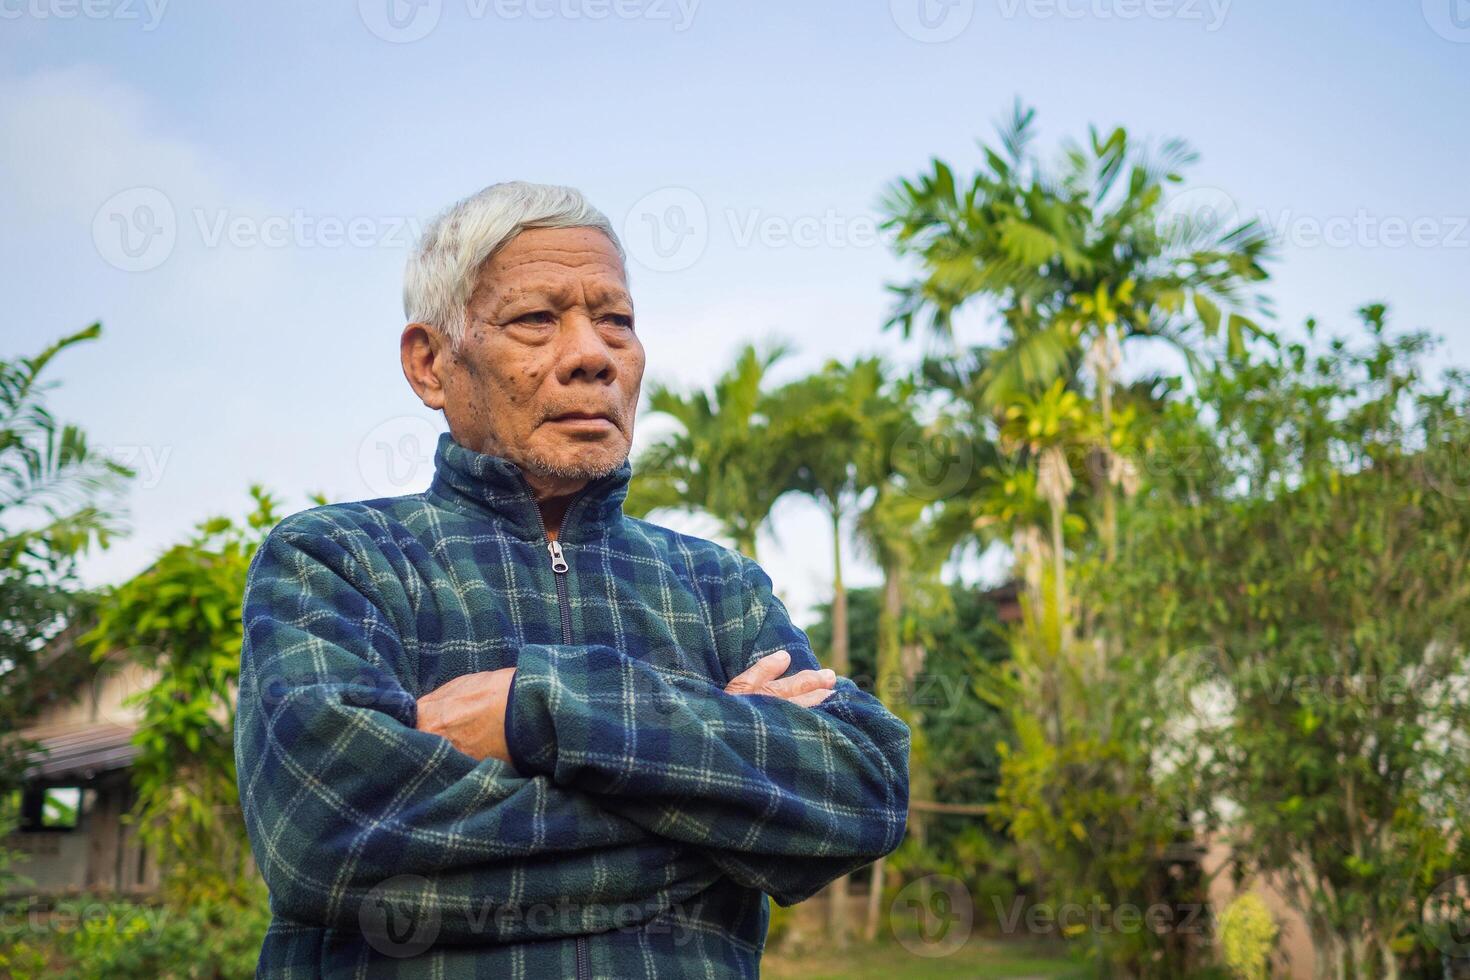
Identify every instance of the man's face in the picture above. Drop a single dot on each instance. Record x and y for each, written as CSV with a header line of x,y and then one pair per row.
x,y
549,370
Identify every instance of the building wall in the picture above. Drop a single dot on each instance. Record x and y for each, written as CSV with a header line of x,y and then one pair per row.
x,y
1294,957
102,701
101,854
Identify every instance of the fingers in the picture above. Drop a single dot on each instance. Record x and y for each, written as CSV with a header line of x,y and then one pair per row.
x,y
812,698
807,688
802,683
761,673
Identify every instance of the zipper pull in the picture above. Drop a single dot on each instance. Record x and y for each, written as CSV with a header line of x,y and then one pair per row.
x,y
558,563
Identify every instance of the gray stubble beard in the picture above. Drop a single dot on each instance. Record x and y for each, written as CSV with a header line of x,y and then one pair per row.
x,y
539,465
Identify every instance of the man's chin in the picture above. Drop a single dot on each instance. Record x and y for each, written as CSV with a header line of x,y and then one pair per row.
x,y
573,463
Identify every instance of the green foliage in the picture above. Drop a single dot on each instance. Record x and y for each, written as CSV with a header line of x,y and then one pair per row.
x,y
1247,937
84,938
720,459
1301,563
1077,259
961,637
966,851
1094,820
1070,251
56,501
181,620
50,478
23,960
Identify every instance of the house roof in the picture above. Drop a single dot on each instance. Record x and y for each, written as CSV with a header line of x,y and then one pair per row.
x,y
79,750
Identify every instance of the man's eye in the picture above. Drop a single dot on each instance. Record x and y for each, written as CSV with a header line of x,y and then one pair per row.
x,y
536,316
620,319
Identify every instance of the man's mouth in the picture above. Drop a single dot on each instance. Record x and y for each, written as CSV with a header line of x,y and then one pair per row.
x,y
584,420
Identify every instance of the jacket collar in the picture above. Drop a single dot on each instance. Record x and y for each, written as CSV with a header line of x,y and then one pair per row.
x,y
496,487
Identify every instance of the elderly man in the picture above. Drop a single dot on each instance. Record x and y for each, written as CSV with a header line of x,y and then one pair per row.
x,y
502,729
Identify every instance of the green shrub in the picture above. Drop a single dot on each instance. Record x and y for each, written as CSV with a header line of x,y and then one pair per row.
x,y
21,960
1247,937
129,941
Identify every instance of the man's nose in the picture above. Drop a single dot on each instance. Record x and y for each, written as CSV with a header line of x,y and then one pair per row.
x,y
584,354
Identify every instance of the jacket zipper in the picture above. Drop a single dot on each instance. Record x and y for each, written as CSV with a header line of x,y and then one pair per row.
x,y
559,569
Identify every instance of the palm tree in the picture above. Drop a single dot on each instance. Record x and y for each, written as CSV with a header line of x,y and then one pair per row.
x,y
723,459
910,535
50,480
57,500
1078,260
840,426
1046,427
828,425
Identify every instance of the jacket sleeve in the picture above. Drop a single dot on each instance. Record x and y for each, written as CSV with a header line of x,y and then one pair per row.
x,y
354,816
783,798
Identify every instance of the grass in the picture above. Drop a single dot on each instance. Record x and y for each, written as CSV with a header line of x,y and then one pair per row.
x,y
976,960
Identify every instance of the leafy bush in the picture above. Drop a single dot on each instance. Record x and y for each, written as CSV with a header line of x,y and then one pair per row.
x,y
84,939
1247,937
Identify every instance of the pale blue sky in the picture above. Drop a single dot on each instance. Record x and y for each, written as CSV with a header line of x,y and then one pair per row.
x,y
296,144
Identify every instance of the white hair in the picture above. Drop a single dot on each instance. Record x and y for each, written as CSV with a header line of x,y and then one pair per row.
x,y
446,262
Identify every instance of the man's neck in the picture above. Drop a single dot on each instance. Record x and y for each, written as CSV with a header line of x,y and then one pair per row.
x,y
553,500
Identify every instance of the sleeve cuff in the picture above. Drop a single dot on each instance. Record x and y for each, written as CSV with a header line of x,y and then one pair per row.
x,y
529,734
516,760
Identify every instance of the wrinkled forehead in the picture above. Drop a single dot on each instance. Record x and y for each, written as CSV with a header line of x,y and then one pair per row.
x,y
559,265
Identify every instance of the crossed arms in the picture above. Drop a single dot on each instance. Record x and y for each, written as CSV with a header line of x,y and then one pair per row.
x,y
628,783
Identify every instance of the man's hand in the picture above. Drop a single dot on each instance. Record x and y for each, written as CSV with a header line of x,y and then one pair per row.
x,y
470,712
807,688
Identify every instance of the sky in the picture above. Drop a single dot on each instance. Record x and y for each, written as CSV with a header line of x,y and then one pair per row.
x,y
232,191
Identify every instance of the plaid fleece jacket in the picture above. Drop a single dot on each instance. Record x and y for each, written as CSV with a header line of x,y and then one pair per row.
x,y
647,813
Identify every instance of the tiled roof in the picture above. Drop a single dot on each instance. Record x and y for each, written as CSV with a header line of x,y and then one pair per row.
x,y
80,749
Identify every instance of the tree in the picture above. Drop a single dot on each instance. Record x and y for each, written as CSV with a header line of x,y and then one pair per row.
x,y
830,425
962,637
57,500
843,428
1077,260
180,619
722,460
1302,560
828,429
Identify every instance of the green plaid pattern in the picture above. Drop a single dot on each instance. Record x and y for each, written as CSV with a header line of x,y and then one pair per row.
x,y
648,814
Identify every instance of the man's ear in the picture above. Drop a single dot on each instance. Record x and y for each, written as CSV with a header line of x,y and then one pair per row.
x,y
424,352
